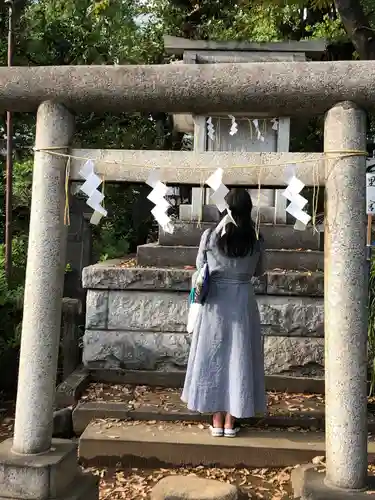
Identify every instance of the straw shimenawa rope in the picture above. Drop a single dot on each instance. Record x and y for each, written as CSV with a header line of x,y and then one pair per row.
x,y
330,155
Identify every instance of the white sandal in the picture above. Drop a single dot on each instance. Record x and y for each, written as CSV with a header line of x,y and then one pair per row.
x,y
231,433
216,431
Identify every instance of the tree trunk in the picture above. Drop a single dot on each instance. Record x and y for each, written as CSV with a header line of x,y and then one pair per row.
x,y
357,26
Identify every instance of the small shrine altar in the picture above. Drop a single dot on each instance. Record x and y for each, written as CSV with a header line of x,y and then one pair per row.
x,y
136,316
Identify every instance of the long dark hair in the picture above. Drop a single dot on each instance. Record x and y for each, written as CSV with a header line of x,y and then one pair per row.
x,y
240,240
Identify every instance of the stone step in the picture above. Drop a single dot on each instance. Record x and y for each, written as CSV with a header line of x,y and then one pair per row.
x,y
145,403
174,378
310,416
140,444
88,411
148,403
280,236
156,255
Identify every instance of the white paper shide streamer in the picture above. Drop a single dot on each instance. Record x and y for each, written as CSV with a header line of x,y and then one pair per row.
x,y
297,202
233,127
210,129
260,136
227,219
90,188
157,196
220,191
370,189
211,132
215,181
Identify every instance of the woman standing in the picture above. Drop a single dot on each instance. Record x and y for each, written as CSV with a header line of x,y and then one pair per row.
x,y
225,373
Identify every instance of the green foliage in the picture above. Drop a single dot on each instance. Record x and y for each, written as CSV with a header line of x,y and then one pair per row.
x,y
330,29
129,223
22,178
11,303
253,20
11,297
86,32
11,294
310,4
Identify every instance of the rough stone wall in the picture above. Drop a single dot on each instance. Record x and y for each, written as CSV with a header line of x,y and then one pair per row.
x,y
136,319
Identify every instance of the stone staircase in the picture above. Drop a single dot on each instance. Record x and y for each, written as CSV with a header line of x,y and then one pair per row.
x,y
286,248
139,426
136,316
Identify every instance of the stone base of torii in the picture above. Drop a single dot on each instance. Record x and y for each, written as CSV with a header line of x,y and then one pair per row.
x,y
33,466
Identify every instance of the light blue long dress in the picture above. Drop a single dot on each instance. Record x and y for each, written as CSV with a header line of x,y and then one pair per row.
x,y
225,370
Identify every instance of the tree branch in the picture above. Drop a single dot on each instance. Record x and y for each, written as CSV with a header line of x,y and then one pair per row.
x,y
358,27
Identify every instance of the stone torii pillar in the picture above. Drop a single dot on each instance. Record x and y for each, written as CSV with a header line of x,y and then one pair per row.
x,y
345,313
345,299
33,466
44,284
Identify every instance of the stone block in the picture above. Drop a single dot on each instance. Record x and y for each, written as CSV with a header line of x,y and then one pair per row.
x,y
167,312
148,311
296,260
292,354
156,255
110,276
295,283
308,484
192,488
291,316
63,423
147,331
210,213
96,308
84,487
70,390
71,317
135,350
279,236
185,232
36,477
113,277
167,351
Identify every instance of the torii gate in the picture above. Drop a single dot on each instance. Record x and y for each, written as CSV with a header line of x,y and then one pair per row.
x,y
34,466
